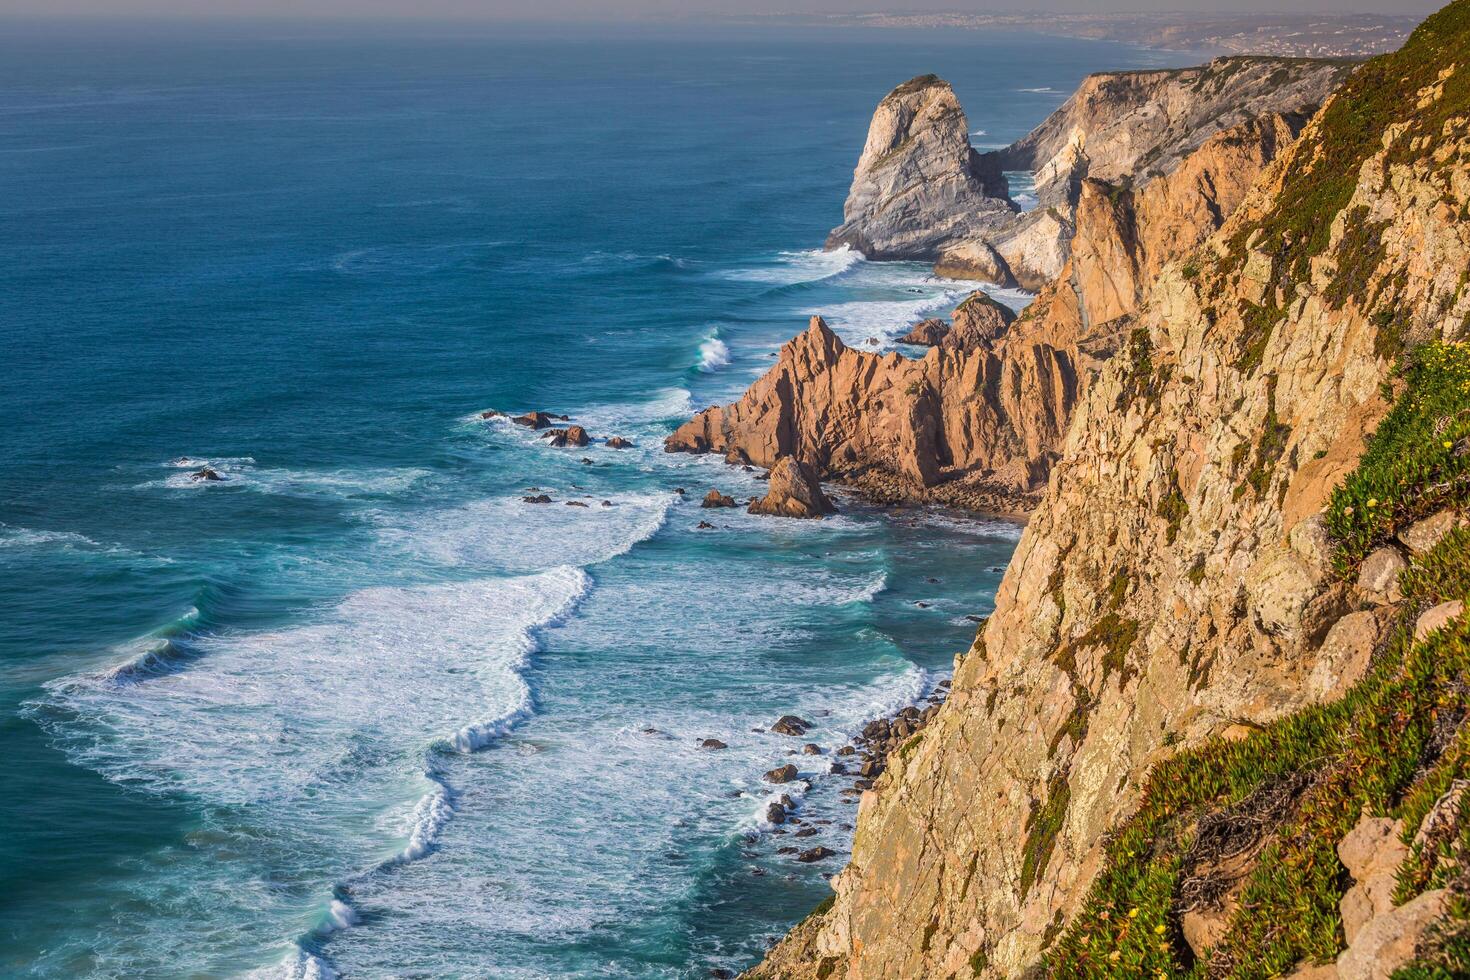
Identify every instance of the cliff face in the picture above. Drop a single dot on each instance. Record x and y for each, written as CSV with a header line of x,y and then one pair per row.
x,y
918,182
921,192
978,423
1139,125
1193,584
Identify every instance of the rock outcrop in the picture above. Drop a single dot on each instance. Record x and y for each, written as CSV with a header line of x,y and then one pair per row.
x,y
1171,599
794,492
978,421
921,192
955,425
919,182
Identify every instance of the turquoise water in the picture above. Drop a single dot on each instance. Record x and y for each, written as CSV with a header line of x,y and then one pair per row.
x,y
357,708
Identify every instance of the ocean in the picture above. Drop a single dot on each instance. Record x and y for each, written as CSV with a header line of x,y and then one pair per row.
x,y
358,709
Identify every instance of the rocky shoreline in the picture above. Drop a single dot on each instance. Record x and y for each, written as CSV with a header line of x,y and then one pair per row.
x,y
858,762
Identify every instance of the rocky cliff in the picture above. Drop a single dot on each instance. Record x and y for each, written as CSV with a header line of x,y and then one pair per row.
x,y
1217,723
921,192
918,182
1138,125
978,422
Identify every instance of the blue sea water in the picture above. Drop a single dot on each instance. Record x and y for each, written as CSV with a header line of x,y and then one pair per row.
x,y
358,709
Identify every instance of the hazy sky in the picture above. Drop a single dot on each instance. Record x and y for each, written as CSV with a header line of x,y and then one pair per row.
x,y
523,10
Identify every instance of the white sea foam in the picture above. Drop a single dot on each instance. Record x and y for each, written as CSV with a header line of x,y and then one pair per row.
x,y
507,534
24,537
713,355
812,265
430,816
242,471
887,320
261,717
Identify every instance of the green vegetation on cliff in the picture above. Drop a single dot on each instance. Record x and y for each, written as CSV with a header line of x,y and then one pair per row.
x,y
1291,791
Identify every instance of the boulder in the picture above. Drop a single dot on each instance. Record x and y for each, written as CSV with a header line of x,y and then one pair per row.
x,y
713,744
491,413
1423,535
206,474
704,526
818,853
1372,852
716,499
533,420
811,748
1437,618
618,442
783,774
576,503
1379,573
572,435
1343,657
1388,942
539,498
791,725
793,492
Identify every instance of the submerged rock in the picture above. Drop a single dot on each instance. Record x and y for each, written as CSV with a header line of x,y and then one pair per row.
x,y
206,474
539,498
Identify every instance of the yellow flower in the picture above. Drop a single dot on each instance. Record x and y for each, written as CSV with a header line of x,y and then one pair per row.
x,y
1448,444
1133,913
1114,956
1372,501
1159,928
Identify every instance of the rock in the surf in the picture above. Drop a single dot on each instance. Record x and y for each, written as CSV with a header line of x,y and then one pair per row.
x,y
716,499
572,435
618,442
791,725
793,492
206,474
783,774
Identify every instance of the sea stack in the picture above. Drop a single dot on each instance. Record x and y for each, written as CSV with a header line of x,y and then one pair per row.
x,y
919,183
794,492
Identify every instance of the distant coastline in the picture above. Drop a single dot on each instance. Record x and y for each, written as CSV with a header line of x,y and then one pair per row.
x,y
1278,35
